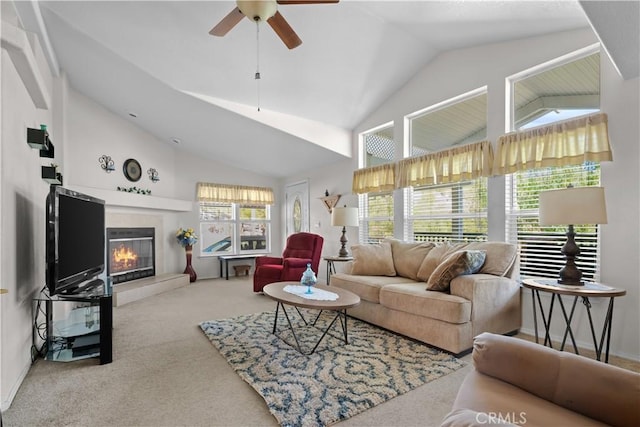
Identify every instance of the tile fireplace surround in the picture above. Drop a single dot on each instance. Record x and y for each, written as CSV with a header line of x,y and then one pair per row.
x,y
126,292
125,210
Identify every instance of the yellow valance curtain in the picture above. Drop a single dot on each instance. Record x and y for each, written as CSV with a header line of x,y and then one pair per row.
x,y
571,142
452,165
374,179
223,193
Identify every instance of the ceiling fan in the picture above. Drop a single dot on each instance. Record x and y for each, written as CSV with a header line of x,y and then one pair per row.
x,y
260,11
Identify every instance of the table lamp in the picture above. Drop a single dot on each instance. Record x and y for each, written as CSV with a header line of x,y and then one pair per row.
x,y
344,217
569,206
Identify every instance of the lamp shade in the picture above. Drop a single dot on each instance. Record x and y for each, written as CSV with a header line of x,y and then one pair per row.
x,y
344,217
583,205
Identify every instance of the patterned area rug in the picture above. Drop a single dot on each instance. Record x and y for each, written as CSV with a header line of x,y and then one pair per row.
x,y
336,382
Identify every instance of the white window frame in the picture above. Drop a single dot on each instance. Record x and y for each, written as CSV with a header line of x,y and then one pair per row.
x,y
236,224
590,266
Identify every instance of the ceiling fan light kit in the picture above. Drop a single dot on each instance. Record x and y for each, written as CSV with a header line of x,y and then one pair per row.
x,y
258,10
261,11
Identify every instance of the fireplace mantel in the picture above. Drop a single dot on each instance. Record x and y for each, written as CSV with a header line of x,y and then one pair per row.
x,y
133,200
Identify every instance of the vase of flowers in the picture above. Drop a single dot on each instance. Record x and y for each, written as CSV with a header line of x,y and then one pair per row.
x,y
187,238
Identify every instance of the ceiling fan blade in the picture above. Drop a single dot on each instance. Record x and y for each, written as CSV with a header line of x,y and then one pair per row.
x,y
306,1
284,31
227,23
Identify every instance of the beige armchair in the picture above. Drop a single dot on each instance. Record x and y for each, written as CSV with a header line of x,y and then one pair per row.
x,y
516,382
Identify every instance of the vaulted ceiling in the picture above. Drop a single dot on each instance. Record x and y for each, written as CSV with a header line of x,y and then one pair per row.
x,y
156,59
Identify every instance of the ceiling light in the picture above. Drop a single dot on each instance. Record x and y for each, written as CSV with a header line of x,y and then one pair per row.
x,y
258,10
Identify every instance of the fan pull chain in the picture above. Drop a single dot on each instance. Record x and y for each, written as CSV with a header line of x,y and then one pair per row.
x,y
257,76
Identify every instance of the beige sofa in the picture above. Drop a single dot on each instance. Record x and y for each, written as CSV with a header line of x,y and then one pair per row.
x,y
516,382
391,279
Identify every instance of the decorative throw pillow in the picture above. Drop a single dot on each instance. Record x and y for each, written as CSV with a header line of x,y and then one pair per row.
x,y
373,260
408,256
457,264
435,258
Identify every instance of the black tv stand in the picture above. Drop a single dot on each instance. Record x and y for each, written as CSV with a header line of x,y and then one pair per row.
x,y
85,332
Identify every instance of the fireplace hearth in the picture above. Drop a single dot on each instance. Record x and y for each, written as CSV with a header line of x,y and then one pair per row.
x,y
131,253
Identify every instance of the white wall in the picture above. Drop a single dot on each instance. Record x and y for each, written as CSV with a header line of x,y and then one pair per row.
x,y
457,72
82,131
337,180
22,216
92,131
189,171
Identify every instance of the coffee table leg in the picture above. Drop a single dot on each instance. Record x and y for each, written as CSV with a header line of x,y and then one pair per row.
x,y
295,337
275,320
339,315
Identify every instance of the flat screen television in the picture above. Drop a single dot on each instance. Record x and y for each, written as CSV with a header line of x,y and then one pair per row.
x,y
75,241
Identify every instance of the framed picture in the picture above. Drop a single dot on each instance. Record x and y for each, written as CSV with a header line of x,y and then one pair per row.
x,y
216,238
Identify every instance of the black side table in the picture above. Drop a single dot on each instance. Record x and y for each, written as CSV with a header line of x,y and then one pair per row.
x,y
588,290
331,267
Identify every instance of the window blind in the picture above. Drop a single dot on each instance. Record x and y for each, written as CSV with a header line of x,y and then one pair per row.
x,y
449,212
539,248
376,217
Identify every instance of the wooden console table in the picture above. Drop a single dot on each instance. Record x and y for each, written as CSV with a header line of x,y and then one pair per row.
x,y
224,261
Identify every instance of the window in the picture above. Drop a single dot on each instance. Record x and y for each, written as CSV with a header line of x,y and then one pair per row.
x,y
560,93
453,211
456,122
567,90
379,147
376,209
540,247
377,212
221,223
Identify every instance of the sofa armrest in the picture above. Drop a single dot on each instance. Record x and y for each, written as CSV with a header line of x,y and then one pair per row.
x,y
595,389
495,302
263,260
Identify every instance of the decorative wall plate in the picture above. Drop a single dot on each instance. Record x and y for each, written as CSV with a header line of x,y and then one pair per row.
x,y
132,170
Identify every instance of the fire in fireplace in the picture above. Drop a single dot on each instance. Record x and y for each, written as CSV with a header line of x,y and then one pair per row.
x,y
131,253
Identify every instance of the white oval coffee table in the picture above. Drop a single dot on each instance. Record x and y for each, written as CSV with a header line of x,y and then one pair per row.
x,y
345,300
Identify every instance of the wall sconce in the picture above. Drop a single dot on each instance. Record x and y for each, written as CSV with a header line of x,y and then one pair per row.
x,y
153,175
38,138
106,163
330,201
51,175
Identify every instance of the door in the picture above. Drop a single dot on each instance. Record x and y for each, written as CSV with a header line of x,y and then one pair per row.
x,y
297,207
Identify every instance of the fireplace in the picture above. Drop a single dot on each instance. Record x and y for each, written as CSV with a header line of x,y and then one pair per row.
x,y
131,253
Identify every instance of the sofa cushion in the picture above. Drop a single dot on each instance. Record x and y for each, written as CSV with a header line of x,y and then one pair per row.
x,y
500,256
413,298
373,260
435,256
367,287
408,256
457,264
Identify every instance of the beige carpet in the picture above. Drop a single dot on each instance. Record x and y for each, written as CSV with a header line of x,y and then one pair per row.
x,y
166,373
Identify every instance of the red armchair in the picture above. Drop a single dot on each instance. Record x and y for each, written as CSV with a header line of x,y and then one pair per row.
x,y
301,249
